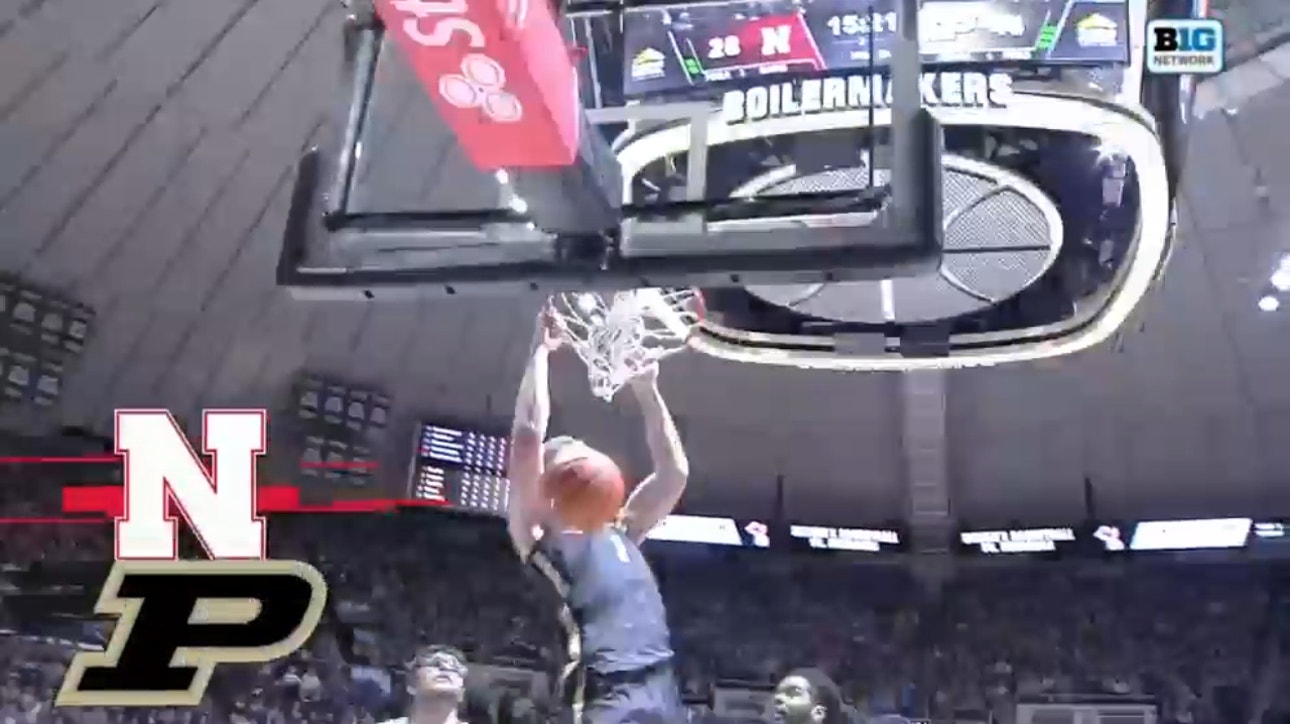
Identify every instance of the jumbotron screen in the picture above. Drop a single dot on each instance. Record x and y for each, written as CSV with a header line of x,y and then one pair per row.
x,y
679,46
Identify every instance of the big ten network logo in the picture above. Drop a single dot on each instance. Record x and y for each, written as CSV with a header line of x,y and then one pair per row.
x,y
498,74
1192,47
176,621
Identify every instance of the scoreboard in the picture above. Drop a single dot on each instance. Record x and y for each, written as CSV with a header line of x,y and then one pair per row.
x,y
683,45
463,448
461,468
768,44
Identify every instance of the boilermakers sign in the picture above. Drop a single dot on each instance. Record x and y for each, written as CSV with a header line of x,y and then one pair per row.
x,y
859,92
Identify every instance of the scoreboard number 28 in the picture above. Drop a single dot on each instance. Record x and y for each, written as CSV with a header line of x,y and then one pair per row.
x,y
724,47
775,40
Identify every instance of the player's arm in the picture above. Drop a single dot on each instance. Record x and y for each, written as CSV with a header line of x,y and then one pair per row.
x,y
528,432
656,496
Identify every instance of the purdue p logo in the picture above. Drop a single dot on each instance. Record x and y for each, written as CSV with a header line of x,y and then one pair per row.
x,y
176,621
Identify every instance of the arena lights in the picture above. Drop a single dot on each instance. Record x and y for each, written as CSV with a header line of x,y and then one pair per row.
x,y
41,333
1280,282
332,403
335,459
43,318
336,425
1281,277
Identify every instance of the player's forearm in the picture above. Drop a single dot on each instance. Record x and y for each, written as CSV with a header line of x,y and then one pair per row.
x,y
665,448
533,404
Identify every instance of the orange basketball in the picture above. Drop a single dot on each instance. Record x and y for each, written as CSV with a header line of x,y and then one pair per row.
x,y
587,492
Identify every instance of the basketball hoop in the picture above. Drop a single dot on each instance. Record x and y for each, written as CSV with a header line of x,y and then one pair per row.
x,y
617,336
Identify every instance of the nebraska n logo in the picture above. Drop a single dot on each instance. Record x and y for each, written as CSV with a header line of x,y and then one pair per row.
x,y
178,620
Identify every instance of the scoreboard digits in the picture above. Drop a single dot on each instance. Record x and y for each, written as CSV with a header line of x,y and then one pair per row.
x,y
752,46
773,41
430,483
852,24
724,47
454,446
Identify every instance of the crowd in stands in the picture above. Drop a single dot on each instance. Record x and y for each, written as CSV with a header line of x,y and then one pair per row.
x,y
1194,637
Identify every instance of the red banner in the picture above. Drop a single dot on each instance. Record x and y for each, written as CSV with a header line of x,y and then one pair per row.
x,y
499,73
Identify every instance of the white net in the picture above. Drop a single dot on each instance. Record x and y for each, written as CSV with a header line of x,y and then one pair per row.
x,y
618,335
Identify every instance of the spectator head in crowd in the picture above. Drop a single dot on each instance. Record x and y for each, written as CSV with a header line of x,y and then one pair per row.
x,y
808,696
436,686
516,709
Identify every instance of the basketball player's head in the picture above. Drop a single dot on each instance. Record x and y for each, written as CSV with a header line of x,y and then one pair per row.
x,y
564,449
808,696
438,671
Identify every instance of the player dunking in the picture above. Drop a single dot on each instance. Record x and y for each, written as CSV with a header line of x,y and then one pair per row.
x,y
619,648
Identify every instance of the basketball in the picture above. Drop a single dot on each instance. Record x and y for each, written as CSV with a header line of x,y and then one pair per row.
x,y
587,492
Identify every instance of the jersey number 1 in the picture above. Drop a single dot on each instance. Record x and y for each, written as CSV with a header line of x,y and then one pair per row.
x,y
620,548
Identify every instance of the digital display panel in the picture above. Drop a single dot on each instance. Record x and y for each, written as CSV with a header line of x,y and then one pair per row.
x,y
674,48
832,538
488,494
1147,536
1200,534
712,530
1271,532
1270,537
467,448
1017,540
462,489
461,468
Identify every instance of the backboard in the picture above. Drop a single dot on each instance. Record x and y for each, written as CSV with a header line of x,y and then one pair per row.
x,y
895,186
560,162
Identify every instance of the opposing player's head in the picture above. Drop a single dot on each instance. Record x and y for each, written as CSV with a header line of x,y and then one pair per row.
x,y
808,696
585,486
438,671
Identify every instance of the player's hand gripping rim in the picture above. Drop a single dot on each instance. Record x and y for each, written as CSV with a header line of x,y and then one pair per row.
x,y
550,329
646,378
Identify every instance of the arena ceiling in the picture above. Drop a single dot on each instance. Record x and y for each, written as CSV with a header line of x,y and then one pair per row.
x,y
148,148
